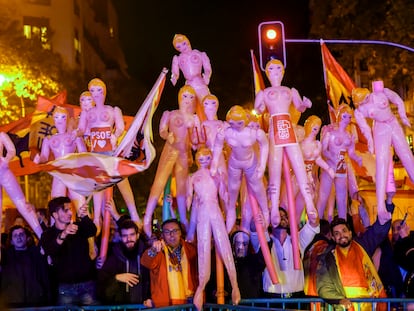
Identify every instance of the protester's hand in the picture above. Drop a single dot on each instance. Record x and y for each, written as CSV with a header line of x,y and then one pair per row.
x,y
313,217
404,230
99,262
148,303
69,230
157,246
129,278
83,211
346,303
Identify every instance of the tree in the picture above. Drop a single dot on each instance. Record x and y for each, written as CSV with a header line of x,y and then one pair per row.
x,y
387,20
28,70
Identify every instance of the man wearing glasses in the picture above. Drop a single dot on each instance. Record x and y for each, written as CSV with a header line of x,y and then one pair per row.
x,y
173,267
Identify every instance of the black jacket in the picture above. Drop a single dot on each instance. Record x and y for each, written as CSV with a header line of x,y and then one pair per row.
x,y
120,261
24,278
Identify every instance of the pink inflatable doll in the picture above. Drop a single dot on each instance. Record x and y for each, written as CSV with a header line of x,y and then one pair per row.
x,y
203,190
177,128
61,144
9,182
337,143
104,124
276,100
243,161
386,132
195,66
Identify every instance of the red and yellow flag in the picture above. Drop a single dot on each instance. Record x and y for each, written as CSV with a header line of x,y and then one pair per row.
x,y
339,87
337,82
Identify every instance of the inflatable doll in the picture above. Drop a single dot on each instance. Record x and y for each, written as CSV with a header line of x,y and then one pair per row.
x,y
209,128
276,100
203,190
245,204
337,143
312,154
59,145
195,66
9,182
104,125
386,132
243,161
177,129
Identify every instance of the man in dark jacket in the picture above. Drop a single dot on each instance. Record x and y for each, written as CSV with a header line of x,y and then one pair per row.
x,y
66,242
122,279
24,272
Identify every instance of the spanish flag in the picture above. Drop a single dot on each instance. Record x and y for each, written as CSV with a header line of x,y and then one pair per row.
x,y
339,87
338,84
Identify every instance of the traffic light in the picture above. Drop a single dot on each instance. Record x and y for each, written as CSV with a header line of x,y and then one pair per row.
x,y
271,42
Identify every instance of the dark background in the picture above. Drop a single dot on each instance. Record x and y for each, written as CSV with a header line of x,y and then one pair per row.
x,y
226,31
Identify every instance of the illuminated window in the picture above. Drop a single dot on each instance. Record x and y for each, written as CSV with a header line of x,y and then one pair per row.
x,y
111,32
37,28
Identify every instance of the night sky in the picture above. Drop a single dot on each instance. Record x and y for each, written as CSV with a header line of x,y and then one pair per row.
x,y
226,31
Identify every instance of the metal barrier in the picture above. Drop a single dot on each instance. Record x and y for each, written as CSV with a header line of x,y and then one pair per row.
x,y
130,307
313,304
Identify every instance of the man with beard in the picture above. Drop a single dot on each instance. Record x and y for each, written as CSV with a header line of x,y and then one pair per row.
x,y
122,279
347,271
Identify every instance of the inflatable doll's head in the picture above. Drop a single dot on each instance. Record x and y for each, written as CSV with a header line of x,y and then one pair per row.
x,y
203,157
97,83
210,105
60,117
254,121
179,41
274,62
343,110
187,98
86,101
359,95
312,124
237,113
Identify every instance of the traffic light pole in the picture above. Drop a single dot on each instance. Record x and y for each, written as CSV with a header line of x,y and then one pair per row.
x,y
401,46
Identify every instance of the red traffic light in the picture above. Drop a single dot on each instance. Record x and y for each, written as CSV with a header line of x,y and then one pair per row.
x,y
271,42
271,34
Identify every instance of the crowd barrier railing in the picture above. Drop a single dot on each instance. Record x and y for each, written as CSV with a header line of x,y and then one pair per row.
x,y
312,304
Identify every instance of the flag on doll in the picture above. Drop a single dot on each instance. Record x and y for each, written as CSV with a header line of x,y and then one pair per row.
x,y
88,172
339,88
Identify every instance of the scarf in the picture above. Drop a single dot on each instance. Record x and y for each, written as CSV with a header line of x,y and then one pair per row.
x,y
359,280
177,275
